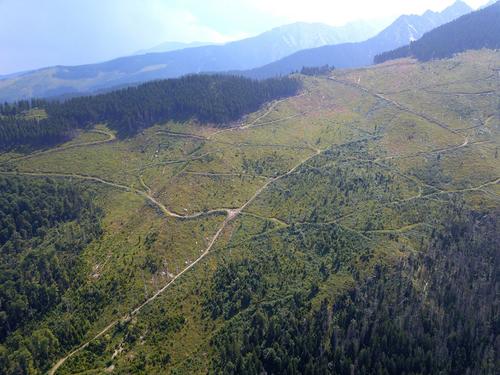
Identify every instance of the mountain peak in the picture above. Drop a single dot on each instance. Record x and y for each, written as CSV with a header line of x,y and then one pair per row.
x,y
473,31
404,30
298,27
457,7
490,3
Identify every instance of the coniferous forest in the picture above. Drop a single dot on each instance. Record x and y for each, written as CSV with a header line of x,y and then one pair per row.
x,y
214,99
45,224
431,314
316,70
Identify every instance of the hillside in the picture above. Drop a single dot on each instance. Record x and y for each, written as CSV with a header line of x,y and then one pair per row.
x,y
350,228
239,55
399,33
477,30
208,99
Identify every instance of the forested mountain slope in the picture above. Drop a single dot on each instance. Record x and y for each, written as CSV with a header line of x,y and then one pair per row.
x,y
45,226
207,99
386,322
350,228
477,30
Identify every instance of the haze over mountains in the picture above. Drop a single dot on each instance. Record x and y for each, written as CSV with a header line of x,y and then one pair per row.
x,y
245,55
171,46
491,2
356,31
240,55
476,30
402,31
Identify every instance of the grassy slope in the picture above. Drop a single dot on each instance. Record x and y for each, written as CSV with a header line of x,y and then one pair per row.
x,y
379,183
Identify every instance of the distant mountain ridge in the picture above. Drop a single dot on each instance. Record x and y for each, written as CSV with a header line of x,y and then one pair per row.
x,y
349,55
476,30
240,55
491,2
172,46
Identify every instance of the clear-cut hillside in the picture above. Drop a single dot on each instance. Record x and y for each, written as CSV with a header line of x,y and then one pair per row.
x,y
350,228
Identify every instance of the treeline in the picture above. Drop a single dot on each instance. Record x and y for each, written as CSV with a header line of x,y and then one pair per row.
x,y
44,225
474,31
316,70
435,313
21,107
214,99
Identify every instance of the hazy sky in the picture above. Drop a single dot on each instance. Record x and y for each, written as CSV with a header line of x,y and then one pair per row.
x,y
37,33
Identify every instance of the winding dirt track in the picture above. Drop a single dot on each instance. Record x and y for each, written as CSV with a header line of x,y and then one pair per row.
x,y
265,114
181,135
111,138
437,151
213,174
462,93
142,193
231,213
397,105
410,199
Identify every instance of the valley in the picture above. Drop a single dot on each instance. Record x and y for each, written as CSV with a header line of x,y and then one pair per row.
x,y
288,48
274,221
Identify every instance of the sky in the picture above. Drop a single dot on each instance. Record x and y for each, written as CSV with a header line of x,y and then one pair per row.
x,y
39,33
